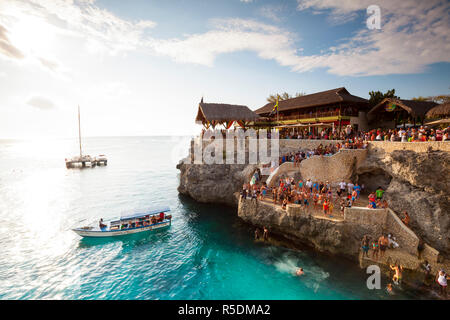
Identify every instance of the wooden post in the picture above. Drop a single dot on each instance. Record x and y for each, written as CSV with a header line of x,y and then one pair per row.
x,y
79,131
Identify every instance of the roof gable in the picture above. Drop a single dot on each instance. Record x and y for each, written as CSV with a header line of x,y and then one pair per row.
x,y
315,99
416,108
224,112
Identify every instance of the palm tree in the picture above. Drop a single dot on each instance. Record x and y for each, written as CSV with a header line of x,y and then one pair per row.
x,y
284,96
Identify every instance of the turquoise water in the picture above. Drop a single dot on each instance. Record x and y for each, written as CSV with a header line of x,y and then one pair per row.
x,y
208,253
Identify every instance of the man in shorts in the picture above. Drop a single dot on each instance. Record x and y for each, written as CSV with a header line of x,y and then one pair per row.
x,y
379,193
383,242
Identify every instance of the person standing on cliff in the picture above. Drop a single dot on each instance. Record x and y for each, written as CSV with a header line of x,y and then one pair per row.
x,y
257,234
379,193
274,195
350,186
375,250
342,186
441,279
383,242
266,234
309,185
365,246
357,188
405,220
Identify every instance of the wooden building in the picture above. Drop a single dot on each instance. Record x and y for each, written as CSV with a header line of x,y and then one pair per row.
x,y
336,107
390,112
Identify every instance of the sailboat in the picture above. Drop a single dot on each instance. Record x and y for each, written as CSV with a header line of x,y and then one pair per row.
x,y
84,160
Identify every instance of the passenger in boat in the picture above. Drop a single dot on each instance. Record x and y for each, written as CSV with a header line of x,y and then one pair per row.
x,y
101,224
161,216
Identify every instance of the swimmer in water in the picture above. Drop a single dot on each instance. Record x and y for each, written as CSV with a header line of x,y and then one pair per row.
x,y
299,272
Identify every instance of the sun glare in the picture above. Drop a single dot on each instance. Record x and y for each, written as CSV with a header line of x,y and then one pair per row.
x,y
32,34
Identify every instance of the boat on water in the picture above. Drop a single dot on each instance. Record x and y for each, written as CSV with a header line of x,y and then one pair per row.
x,y
151,220
84,160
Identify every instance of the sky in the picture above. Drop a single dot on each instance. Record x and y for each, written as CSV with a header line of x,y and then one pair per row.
x,y
140,67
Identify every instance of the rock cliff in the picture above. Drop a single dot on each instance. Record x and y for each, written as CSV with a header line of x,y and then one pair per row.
x,y
214,183
417,182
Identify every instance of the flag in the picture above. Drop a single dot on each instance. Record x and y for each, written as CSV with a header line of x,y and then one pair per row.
x,y
275,107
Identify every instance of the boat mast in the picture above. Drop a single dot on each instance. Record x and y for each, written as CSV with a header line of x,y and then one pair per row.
x,y
79,129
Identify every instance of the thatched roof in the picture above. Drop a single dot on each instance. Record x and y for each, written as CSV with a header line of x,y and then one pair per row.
x,y
441,110
221,112
438,122
416,108
333,96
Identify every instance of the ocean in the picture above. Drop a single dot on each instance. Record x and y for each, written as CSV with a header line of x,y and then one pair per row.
x,y
207,253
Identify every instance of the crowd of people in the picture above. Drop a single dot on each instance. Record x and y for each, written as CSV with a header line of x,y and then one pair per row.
x,y
319,195
402,134
406,134
322,150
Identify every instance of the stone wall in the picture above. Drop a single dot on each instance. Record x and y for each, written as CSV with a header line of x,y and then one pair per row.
x,y
430,254
365,216
340,236
388,146
292,145
405,237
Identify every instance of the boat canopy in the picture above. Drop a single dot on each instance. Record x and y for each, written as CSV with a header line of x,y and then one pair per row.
x,y
127,216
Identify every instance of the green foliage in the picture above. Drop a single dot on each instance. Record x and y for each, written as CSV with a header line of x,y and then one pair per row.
x,y
284,96
443,98
377,96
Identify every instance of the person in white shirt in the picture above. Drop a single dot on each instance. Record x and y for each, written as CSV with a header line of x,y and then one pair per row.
x,y
404,137
441,278
309,184
342,186
392,137
445,137
350,187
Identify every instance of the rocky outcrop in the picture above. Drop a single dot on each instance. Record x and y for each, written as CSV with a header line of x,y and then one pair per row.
x,y
322,234
417,182
214,183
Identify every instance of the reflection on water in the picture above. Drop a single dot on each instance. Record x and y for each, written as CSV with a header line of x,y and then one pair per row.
x,y
207,253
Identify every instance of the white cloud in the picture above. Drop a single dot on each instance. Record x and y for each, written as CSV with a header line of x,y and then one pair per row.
x,y
228,36
28,29
414,34
41,103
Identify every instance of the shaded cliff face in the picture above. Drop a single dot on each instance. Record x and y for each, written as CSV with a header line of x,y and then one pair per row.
x,y
419,184
335,237
215,183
